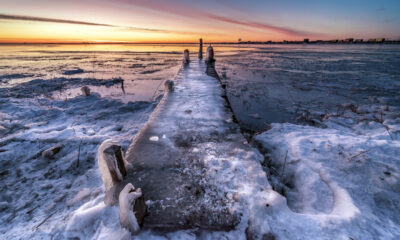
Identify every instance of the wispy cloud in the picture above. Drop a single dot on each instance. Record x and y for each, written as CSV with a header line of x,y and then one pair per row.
x,y
259,26
180,9
52,20
116,27
65,21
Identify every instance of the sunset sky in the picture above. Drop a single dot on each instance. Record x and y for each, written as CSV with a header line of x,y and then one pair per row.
x,y
186,21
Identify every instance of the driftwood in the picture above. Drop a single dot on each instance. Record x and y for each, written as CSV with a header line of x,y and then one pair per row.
x,y
49,153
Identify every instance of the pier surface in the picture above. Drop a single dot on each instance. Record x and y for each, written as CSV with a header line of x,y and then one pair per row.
x,y
177,156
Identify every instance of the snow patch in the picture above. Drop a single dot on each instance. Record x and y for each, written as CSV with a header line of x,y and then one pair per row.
x,y
350,162
154,138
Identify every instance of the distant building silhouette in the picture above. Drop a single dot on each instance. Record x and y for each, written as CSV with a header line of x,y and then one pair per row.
x,y
376,40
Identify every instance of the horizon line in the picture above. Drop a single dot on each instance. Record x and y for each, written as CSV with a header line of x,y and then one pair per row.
x,y
221,42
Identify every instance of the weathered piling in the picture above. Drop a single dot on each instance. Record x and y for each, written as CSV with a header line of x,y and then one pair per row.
x,y
210,54
169,85
111,163
85,91
201,49
132,208
186,58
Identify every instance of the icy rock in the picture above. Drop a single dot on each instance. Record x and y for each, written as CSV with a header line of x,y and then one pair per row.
x,y
85,91
49,153
4,173
169,85
73,71
3,205
90,132
132,208
111,163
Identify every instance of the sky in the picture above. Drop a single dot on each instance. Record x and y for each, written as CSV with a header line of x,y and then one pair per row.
x,y
175,21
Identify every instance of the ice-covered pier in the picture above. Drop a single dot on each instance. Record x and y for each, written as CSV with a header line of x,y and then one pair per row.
x,y
169,156
193,165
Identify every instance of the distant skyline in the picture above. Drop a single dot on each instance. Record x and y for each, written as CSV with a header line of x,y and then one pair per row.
x,y
148,21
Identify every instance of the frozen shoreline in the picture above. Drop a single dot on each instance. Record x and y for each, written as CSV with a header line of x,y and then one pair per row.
x,y
345,176
37,189
333,174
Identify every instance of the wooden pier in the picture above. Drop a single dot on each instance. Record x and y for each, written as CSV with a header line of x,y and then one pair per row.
x,y
178,156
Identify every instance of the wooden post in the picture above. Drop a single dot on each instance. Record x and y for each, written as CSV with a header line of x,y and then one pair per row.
x,y
169,85
201,49
210,54
186,58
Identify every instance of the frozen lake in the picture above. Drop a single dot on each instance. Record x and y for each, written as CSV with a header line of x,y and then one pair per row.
x,y
311,77
280,83
327,119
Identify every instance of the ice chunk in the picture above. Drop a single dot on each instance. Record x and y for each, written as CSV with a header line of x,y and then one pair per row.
x,y
154,138
49,153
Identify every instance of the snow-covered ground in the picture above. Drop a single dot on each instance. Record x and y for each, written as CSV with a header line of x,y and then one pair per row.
x,y
36,189
332,143
41,106
344,177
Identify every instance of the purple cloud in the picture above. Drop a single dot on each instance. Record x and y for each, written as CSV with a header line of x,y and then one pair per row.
x,y
181,9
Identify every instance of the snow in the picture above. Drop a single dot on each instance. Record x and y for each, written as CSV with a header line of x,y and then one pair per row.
x,y
81,195
154,138
93,220
40,195
33,187
127,199
352,166
40,108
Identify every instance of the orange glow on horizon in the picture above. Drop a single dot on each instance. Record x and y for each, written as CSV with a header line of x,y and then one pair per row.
x,y
173,21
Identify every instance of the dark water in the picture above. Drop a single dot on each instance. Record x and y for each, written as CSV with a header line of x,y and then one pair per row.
x,y
289,83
